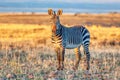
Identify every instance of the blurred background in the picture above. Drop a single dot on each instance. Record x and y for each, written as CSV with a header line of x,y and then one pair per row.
x,y
86,11
69,6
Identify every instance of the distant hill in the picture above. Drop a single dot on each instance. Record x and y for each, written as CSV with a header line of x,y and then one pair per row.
x,y
68,7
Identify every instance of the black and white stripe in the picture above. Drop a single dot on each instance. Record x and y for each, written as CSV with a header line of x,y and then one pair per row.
x,y
72,37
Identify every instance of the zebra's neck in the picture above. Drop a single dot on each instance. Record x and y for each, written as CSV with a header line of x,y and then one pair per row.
x,y
57,29
57,35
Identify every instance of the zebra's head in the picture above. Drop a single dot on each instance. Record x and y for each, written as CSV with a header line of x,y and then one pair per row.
x,y
54,19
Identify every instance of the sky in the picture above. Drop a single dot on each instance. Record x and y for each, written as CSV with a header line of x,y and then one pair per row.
x,y
68,5
75,1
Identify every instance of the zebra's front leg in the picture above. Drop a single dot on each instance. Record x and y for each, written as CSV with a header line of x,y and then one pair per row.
x,y
78,57
60,57
57,50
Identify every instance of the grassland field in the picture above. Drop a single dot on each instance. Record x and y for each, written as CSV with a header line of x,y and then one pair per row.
x,y
26,51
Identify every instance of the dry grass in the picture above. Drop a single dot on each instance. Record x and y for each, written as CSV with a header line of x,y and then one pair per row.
x,y
104,35
26,53
21,32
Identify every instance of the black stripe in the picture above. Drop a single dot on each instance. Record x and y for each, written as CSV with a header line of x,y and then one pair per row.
x,y
86,42
82,29
86,37
59,32
52,38
85,32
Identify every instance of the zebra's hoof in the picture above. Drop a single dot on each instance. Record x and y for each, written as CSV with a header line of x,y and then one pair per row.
x,y
58,69
74,68
62,68
87,68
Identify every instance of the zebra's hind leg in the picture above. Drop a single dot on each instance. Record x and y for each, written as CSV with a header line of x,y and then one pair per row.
x,y
78,57
86,51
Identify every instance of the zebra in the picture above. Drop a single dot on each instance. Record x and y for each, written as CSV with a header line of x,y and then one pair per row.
x,y
68,38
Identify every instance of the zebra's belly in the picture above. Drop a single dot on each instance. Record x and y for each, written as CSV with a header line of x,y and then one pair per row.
x,y
71,46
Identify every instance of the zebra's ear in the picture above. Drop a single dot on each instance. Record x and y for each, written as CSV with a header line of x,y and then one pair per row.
x,y
50,11
59,12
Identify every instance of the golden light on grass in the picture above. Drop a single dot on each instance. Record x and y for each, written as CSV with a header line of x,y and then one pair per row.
x,y
22,32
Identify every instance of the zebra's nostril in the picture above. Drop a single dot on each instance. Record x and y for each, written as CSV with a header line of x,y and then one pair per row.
x,y
51,18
